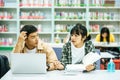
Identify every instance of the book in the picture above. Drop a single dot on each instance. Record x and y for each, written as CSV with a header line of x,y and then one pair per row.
x,y
88,59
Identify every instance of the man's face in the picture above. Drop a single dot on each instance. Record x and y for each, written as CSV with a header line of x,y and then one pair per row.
x,y
32,40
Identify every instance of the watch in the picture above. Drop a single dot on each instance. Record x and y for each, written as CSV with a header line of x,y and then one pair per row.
x,y
48,67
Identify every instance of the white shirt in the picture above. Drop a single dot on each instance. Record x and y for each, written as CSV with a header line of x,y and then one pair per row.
x,y
31,51
77,53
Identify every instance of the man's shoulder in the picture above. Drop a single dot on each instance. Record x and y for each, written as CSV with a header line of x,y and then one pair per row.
x,y
42,44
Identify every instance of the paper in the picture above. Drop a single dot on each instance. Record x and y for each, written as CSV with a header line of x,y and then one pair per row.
x,y
90,58
75,67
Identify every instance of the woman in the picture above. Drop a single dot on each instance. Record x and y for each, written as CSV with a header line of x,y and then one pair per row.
x,y
105,36
77,47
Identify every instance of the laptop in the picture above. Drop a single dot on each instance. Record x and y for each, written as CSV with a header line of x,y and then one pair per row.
x,y
28,63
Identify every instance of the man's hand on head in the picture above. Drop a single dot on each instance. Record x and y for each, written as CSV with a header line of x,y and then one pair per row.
x,y
22,36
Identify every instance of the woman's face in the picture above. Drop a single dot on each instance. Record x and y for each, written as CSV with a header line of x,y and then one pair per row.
x,y
77,39
104,35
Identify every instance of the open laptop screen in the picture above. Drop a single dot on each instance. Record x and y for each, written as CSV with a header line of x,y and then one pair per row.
x,y
28,63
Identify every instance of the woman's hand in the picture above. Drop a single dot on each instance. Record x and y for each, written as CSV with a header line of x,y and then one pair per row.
x,y
90,67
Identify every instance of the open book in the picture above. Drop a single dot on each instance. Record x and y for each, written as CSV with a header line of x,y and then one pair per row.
x,y
90,58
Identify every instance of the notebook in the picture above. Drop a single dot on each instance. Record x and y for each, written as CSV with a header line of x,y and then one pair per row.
x,y
28,63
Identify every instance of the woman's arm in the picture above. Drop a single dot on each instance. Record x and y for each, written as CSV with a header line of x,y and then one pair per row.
x,y
64,59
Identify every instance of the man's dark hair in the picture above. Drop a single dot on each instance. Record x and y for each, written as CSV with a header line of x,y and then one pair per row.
x,y
29,29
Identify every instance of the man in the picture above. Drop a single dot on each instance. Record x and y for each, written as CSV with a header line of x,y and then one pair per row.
x,y
29,42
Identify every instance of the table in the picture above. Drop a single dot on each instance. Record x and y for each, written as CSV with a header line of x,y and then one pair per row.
x,y
104,44
106,55
60,75
111,48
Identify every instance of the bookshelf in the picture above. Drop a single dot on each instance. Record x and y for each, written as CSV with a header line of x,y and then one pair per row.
x,y
104,13
67,14
56,17
8,23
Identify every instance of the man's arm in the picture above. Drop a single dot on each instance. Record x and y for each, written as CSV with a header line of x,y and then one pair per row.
x,y
52,58
20,43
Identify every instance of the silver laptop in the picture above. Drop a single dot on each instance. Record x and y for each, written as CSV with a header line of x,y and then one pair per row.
x,y
28,63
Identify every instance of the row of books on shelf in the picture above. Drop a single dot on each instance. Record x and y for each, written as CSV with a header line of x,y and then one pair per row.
x,y
63,27
23,15
58,28
90,2
62,15
6,15
32,15
95,15
38,26
97,28
36,3
104,3
60,3
3,28
6,41
70,2
70,15
66,27
26,3
8,3
104,15
11,42
93,27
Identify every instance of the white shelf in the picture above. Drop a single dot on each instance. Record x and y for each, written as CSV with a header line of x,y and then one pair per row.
x,y
8,33
7,46
115,32
35,19
8,20
104,20
97,7
8,7
69,7
70,20
99,32
45,33
94,32
36,7
61,32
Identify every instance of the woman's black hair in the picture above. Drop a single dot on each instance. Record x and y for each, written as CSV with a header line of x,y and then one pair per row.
x,y
79,29
105,30
29,29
